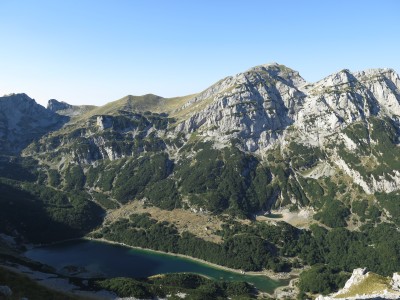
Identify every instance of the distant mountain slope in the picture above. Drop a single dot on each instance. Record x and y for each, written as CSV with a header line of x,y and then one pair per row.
x,y
22,121
302,139
139,104
65,109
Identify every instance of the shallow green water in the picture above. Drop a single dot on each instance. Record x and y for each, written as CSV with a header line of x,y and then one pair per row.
x,y
108,260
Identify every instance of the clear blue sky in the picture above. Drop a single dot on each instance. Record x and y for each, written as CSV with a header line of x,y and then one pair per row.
x,y
95,51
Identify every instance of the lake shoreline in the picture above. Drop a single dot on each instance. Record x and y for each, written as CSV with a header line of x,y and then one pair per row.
x,y
267,273
271,275
279,281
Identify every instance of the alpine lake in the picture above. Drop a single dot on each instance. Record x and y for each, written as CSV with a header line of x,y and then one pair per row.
x,y
99,259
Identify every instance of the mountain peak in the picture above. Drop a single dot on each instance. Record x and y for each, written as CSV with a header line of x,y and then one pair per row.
x,y
279,71
341,77
22,120
55,105
346,76
146,97
18,99
19,102
369,74
273,66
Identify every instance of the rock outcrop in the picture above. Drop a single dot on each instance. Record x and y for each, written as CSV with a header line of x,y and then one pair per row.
x,y
357,279
64,109
395,282
103,122
5,291
358,275
55,105
252,106
259,104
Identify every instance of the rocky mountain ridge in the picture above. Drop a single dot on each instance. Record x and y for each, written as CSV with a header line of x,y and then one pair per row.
x,y
266,109
251,106
255,104
246,151
258,105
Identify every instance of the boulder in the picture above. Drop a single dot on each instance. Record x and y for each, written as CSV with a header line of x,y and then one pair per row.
x,y
357,276
5,291
395,283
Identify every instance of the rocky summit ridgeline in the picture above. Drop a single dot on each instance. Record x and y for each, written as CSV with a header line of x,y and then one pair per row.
x,y
259,104
338,124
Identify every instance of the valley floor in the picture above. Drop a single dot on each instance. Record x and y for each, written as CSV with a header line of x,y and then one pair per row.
x,y
201,225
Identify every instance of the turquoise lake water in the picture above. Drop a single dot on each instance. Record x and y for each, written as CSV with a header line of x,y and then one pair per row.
x,y
109,260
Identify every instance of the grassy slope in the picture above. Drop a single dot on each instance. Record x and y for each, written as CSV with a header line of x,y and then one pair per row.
x,y
372,284
143,103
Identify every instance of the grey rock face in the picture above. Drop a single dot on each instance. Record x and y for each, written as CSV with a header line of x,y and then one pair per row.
x,y
358,275
344,98
55,105
395,282
68,110
103,122
22,120
271,105
258,105
252,106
